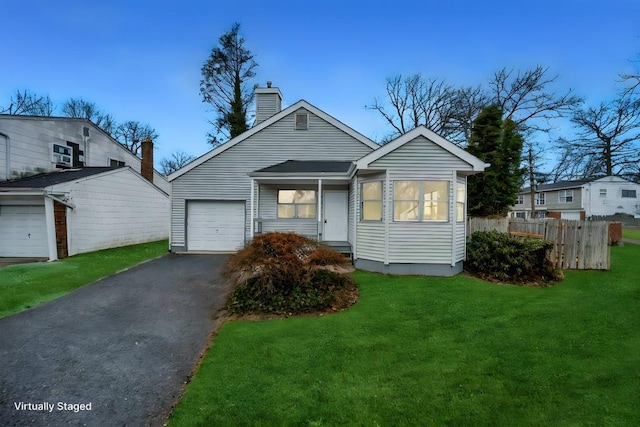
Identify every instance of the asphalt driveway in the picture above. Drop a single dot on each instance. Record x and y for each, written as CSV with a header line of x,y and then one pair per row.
x,y
113,353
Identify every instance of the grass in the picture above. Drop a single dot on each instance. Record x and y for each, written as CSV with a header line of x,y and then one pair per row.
x,y
436,351
631,233
26,285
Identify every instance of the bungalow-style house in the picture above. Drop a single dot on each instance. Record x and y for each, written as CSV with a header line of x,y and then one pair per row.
x,y
580,199
66,187
399,208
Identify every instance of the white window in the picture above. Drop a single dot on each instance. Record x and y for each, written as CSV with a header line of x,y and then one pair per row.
x,y
371,195
603,192
521,215
565,196
61,155
296,203
421,201
540,198
460,201
629,194
520,199
302,121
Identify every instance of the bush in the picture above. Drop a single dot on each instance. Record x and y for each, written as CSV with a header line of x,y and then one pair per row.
x,y
285,273
498,256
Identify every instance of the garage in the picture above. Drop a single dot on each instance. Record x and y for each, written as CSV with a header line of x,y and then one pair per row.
x,y
23,231
215,225
570,215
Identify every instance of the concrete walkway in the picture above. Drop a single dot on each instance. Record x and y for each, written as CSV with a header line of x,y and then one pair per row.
x,y
113,353
632,241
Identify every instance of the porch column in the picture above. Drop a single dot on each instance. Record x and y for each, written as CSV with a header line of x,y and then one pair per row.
x,y
453,214
251,218
388,197
319,213
51,229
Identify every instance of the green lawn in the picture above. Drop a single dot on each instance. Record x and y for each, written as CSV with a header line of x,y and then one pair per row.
x,y
631,233
23,286
436,351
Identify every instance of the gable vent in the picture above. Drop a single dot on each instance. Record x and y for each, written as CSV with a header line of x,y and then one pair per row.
x,y
302,121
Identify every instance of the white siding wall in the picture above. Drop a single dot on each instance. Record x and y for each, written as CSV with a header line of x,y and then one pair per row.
x,y
416,242
371,234
613,202
225,176
114,209
31,140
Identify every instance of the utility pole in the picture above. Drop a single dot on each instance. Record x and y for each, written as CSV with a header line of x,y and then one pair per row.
x,y
532,182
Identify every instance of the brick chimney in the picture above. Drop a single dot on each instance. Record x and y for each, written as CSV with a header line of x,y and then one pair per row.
x,y
268,102
146,169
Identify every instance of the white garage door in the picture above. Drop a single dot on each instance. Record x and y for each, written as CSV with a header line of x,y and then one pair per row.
x,y
215,226
23,231
570,215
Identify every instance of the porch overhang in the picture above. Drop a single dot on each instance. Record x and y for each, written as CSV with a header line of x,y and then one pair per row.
x,y
305,172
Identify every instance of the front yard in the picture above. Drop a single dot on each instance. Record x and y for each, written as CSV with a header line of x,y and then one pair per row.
x,y
23,286
631,233
436,351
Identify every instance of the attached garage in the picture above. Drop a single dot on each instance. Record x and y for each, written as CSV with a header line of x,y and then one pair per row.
x,y
215,225
23,231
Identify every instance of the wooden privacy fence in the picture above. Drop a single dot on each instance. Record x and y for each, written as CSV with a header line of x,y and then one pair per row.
x,y
577,245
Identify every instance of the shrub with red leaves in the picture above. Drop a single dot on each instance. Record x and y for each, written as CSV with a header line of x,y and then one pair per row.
x,y
284,273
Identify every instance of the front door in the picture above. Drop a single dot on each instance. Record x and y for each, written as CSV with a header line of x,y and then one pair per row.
x,y
335,215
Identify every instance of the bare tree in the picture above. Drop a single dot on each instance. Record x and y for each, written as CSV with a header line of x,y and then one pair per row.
x,y
27,103
177,160
82,109
417,100
632,78
131,134
525,97
608,139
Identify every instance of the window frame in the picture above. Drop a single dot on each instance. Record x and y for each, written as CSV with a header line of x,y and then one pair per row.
x,y
520,199
563,195
296,205
364,201
296,123
628,196
421,201
602,192
541,199
461,206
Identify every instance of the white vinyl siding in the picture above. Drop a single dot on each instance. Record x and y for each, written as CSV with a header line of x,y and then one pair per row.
x,y
23,231
114,209
225,176
215,225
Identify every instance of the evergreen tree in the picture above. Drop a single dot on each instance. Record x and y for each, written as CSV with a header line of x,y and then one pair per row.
x,y
497,142
224,85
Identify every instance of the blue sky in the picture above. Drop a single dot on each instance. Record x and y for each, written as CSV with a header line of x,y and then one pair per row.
x,y
141,60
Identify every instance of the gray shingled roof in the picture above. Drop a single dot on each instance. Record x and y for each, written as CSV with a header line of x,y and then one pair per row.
x,y
51,178
308,166
560,185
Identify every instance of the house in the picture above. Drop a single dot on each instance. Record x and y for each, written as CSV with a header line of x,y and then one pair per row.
x,y
34,144
580,199
399,208
73,189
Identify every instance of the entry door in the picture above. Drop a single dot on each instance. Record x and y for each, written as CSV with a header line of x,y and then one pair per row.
x,y
335,215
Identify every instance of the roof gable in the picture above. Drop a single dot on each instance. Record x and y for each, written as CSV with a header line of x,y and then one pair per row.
x,y
263,125
476,164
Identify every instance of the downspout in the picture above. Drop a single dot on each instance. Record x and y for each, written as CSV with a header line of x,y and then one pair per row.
x,y
320,215
453,213
8,155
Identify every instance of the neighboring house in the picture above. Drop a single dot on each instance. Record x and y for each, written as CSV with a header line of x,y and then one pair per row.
x,y
399,208
32,144
73,189
580,199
